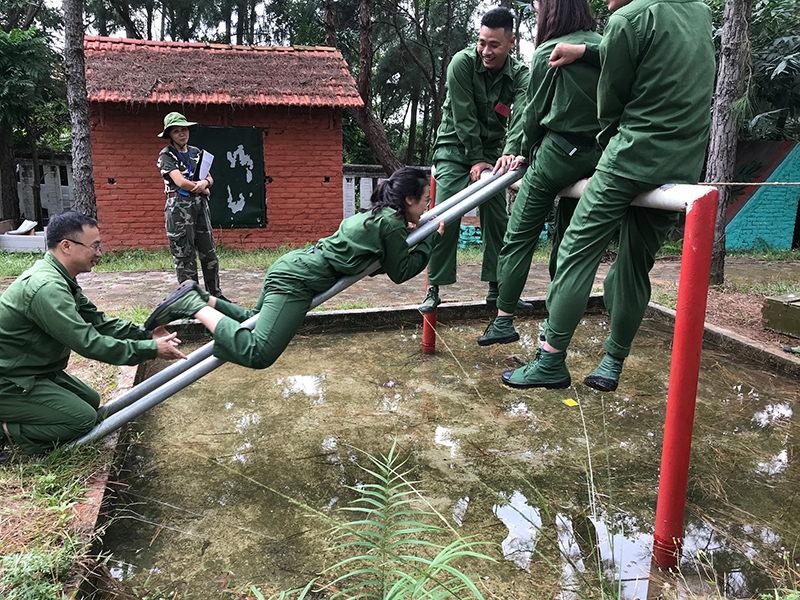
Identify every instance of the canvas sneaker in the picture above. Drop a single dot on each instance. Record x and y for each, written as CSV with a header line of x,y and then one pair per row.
x,y
431,301
547,370
181,303
499,331
494,292
606,376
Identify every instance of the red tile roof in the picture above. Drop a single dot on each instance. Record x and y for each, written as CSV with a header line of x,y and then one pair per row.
x,y
142,71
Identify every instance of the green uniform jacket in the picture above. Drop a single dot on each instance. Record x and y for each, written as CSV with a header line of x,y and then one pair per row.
x,y
563,100
654,95
167,162
472,131
44,315
361,239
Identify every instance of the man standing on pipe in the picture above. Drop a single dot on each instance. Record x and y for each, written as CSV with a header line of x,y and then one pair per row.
x,y
43,317
654,107
483,84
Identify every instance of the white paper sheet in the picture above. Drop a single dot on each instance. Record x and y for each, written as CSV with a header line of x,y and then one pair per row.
x,y
205,165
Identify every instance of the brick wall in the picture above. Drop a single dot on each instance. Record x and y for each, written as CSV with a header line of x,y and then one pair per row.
x,y
768,218
302,147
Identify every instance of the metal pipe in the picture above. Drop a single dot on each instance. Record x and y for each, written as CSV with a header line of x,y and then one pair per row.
x,y
177,376
429,320
698,242
486,179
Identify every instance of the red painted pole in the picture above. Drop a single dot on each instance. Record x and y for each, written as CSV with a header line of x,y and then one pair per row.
x,y
684,371
429,321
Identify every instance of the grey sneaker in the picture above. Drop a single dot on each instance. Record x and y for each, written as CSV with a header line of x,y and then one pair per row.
x,y
499,331
606,376
431,301
547,370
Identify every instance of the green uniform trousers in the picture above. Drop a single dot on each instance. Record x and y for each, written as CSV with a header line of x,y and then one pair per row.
x,y
290,285
452,177
552,170
604,206
56,409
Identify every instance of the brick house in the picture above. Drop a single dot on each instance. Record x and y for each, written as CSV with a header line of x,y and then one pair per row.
x,y
285,102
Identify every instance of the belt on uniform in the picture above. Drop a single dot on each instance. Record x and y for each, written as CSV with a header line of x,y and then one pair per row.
x,y
172,195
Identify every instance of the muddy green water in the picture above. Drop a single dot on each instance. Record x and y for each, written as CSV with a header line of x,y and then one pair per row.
x,y
216,482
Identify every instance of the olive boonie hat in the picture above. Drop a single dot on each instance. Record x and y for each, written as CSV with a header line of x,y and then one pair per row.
x,y
174,119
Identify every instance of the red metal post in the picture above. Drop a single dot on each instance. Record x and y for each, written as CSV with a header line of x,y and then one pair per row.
x,y
429,321
685,368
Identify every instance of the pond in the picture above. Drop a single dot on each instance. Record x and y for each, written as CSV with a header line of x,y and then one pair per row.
x,y
236,480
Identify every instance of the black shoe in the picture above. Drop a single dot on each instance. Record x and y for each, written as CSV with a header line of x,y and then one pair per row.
x,y
186,287
221,297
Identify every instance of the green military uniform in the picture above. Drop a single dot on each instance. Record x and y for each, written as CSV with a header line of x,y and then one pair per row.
x,y
188,221
44,315
561,117
654,100
295,278
472,131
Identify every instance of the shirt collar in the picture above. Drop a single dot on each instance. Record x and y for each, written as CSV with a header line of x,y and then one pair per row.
x,y
52,260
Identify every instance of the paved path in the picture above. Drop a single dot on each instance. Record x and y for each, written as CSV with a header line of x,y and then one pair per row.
x,y
113,291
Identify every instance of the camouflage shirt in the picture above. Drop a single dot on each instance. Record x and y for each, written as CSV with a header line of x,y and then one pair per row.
x,y
170,159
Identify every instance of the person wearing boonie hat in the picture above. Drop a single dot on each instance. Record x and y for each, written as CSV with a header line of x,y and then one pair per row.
x,y
186,212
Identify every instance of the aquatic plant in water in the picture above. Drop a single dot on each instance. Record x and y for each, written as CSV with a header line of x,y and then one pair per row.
x,y
393,554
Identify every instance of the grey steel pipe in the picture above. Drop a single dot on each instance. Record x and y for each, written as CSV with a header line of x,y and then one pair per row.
x,y
176,377
456,198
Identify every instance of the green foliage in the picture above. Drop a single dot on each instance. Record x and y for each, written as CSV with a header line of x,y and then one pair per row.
x,y
390,545
27,66
36,549
38,573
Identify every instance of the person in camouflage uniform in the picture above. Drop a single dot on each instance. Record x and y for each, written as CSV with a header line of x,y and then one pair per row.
x,y
186,213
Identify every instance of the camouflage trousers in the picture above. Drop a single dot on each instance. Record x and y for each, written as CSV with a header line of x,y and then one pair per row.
x,y
189,232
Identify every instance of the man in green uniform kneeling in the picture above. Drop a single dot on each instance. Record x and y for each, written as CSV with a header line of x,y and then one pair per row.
x,y
654,101
43,317
483,84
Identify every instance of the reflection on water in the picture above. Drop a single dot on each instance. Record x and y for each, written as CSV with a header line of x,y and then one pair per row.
x,y
236,479
523,522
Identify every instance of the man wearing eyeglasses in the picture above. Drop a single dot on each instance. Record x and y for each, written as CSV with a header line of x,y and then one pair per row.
x,y
43,317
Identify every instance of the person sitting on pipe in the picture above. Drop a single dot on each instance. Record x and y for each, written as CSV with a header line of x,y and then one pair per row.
x,y
654,107
43,317
295,278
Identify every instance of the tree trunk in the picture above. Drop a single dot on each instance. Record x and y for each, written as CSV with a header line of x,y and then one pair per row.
x,y
75,72
228,18
241,20
423,155
721,165
37,180
330,22
372,128
9,199
412,127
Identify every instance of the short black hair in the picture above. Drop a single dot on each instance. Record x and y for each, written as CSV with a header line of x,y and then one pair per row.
x,y
499,18
66,225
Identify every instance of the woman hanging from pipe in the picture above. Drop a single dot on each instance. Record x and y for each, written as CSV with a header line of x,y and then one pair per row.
x,y
295,278
560,125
